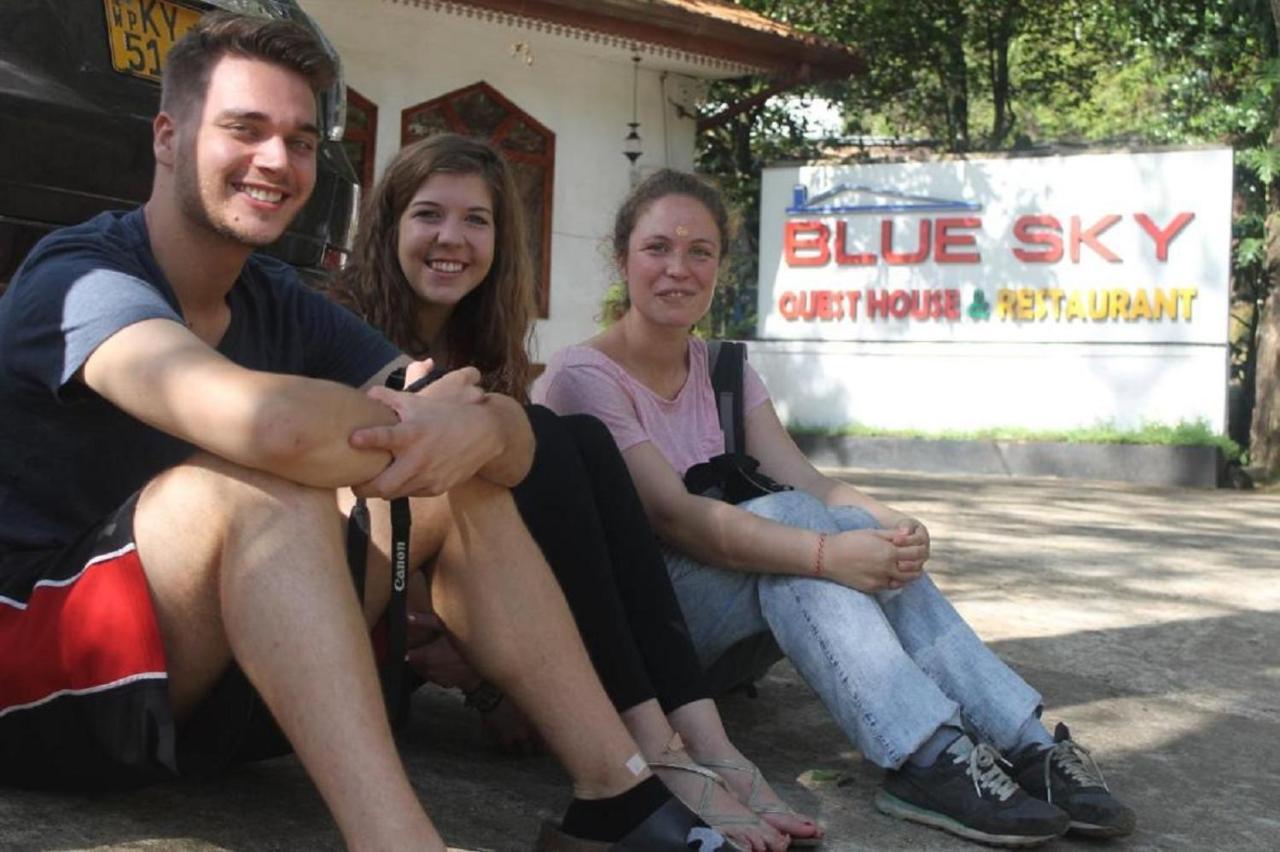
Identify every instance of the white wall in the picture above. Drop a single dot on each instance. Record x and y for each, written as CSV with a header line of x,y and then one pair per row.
x,y
400,55
939,386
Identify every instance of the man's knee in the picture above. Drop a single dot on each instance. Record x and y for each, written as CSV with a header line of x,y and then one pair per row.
x,y
223,496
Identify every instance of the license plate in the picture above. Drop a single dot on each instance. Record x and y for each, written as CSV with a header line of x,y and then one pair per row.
x,y
142,31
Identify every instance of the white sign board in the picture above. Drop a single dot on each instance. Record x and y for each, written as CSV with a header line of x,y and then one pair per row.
x,y
1105,248
1040,292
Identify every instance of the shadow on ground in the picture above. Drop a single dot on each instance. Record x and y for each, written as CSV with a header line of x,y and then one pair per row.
x,y
1148,618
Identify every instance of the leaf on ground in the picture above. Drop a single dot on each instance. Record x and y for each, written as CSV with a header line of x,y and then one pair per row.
x,y
812,779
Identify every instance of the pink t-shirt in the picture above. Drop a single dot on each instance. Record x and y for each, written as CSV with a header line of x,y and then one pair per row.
x,y
686,429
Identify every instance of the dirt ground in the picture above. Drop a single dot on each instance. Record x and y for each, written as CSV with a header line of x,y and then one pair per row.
x,y
1149,619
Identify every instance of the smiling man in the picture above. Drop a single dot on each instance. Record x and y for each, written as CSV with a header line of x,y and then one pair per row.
x,y
178,414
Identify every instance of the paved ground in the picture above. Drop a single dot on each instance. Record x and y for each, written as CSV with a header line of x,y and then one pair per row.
x,y
1149,618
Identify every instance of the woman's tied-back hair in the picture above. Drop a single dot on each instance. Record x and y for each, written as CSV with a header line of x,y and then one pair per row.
x,y
490,327
190,62
656,186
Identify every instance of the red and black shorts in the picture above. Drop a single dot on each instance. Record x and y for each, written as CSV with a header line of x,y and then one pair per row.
x,y
84,701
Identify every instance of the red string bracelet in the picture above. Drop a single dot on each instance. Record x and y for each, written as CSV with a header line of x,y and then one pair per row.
x,y
817,559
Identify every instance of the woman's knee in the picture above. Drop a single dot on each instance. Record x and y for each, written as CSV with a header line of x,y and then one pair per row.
x,y
541,418
793,508
854,518
555,452
590,433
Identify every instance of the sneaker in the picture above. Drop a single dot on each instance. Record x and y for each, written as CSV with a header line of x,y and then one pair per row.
x,y
967,793
1066,775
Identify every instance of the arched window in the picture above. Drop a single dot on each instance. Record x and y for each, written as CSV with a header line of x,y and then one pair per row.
x,y
479,110
361,136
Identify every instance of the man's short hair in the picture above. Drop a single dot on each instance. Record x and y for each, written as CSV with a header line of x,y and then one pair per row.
x,y
217,34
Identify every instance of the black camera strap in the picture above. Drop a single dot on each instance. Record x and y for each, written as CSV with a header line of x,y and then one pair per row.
x,y
392,672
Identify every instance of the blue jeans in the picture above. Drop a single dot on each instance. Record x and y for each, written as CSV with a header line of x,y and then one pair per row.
x,y
890,667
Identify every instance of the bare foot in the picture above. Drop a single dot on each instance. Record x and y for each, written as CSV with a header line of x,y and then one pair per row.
x,y
744,779
706,793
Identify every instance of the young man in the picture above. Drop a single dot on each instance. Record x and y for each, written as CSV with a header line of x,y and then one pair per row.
x,y
178,413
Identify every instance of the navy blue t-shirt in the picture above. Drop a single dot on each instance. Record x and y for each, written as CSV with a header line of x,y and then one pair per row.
x,y
68,457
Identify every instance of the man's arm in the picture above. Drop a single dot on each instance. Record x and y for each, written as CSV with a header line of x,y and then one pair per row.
x,y
295,427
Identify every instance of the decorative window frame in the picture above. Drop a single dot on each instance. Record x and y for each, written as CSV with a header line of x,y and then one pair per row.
x,y
366,137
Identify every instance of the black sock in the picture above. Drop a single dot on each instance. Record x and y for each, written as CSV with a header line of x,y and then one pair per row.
x,y
613,818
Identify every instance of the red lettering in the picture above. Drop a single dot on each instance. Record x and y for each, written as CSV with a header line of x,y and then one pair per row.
x,y
1089,237
921,303
1163,237
944,240
843,258
837,299
951,308
853,296
1038,230
822,308
806,306
894,258
918,304
877,303
901,303
787,305
794,242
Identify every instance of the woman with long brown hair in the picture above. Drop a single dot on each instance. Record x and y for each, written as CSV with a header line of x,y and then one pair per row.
x,y
440,265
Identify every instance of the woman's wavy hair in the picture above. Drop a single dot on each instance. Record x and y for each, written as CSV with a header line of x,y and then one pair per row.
x,y
491,327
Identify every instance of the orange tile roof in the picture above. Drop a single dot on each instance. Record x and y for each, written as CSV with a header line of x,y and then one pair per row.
x,y
733,13
701,27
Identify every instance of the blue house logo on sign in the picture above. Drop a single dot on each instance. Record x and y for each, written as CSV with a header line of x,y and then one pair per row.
x,y
894,201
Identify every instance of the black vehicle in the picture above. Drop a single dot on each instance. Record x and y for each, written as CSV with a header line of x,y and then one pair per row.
x,y
79,86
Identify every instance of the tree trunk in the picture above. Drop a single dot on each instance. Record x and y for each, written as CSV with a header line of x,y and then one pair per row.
x,y
1264,434
956,77
999,33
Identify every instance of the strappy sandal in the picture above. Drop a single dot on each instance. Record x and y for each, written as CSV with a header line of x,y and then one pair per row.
x,y
763,808
674,757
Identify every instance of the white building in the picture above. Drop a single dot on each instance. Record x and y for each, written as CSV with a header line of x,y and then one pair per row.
x,y
555,83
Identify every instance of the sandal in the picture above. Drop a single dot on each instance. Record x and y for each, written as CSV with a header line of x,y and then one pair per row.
x,y
758,785
675,757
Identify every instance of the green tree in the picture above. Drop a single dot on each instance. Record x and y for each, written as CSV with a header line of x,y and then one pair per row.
x,y
990,75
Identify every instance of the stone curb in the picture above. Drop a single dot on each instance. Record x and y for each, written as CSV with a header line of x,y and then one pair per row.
x,y
1142,464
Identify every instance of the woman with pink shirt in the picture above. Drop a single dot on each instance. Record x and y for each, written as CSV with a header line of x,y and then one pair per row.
x,y
827,575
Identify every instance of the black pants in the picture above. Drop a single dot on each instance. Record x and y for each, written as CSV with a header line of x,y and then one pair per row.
x,y
583,511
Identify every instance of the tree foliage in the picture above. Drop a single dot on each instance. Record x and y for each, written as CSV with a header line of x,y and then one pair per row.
x,y
996,75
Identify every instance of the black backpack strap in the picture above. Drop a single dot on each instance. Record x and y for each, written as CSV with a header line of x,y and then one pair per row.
x,y
724,361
